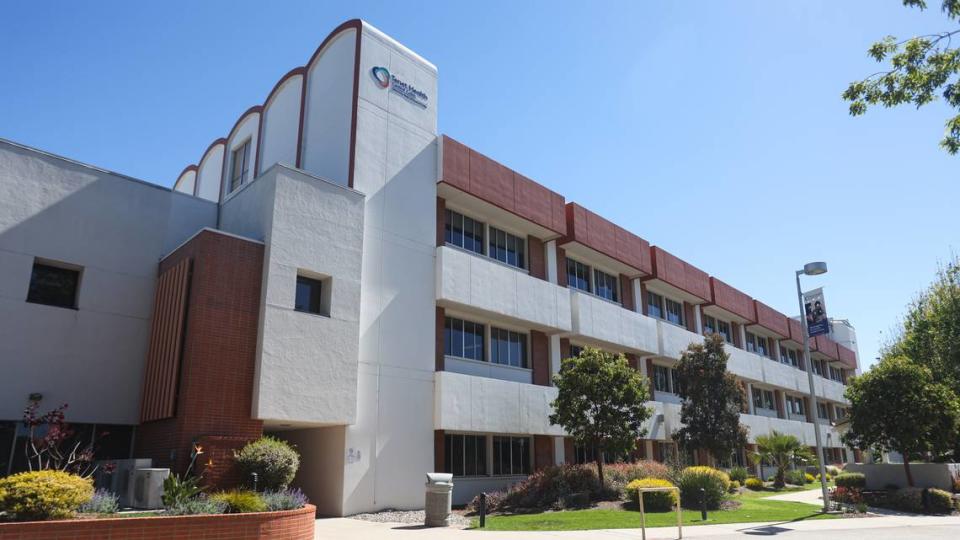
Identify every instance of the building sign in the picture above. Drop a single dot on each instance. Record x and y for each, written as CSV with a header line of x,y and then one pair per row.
x,y
383,79
815,311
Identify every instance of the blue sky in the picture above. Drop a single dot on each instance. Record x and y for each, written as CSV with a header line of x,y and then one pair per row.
x,y
713,129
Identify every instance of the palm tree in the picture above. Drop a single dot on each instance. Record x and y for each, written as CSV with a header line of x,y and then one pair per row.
x,y
783,451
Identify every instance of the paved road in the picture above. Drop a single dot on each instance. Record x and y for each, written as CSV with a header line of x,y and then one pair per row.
x,y
879,528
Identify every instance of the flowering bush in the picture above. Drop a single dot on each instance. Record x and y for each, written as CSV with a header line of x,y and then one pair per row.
x,y
621,474
847,495
548,487
734,486
58,448
274,461
103,502
657,501
44,494
714,483
753,483
239,501
286,499
809,478
197,505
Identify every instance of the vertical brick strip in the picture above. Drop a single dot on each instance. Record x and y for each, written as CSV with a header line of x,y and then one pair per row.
x,y
439,451
561,267
564,349
735,328
441,318
536,257
650,376
166,338
540,356
441,221
542,451
689,317
643,298
778,397
626,292
569,454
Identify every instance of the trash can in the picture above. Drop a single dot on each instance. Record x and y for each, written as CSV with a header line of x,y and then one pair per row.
x,y
439,499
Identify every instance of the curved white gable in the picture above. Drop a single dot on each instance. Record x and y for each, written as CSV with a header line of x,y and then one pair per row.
x,y
187,182
248,129
281,125
208,173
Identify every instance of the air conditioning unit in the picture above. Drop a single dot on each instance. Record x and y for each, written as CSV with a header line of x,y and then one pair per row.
x,y
118,481
146,488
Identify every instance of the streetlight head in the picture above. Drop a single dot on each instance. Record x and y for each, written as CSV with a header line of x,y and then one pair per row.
x,y
815,268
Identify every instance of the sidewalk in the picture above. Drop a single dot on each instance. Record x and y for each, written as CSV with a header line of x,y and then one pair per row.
x,y
875,528
807,496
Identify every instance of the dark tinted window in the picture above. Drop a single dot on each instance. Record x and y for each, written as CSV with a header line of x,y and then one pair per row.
x,y
53,286
309,294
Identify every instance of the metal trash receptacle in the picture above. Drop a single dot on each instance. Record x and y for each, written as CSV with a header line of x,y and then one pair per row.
x,y
439,499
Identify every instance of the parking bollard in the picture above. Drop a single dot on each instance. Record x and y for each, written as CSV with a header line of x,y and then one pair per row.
x,y
703,504
483,510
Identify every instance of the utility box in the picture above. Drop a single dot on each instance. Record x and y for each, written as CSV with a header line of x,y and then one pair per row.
x,y
146,488
439,499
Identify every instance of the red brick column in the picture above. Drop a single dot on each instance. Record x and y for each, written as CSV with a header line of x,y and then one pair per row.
x,y
439,451
561,267
438,339
441,221
626,292
542,451
540,356
568,450
536,257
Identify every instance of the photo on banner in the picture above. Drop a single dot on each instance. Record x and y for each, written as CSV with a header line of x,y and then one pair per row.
x,y
815,309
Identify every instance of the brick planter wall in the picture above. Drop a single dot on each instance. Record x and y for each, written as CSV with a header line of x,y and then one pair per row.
x,y
286,525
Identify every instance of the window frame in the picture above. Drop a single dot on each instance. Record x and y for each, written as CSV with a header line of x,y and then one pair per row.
x,y
243,148
523,341
449,224
448,351
578,269
614,289
480,455
519,241
682,316
35,297
526,457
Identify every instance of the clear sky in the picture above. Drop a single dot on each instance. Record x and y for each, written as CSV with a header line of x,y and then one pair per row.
x,y
712,129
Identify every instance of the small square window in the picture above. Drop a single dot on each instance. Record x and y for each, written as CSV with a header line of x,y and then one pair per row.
x,y
311,296
53,285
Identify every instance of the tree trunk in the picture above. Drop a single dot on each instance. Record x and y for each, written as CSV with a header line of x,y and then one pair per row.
x,y
906,469
600,468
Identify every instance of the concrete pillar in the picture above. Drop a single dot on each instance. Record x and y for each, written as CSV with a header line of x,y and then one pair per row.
x,y
638,300
750,397
776,350
743,335
551,258
555,356
648,448
698,319
558,451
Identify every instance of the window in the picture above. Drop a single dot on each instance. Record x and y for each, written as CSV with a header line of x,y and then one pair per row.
x,y
588,454
665,379
819,367
841,412
822,411
465,455
508,348
309,297
795,406
763,399
578,275
53,285
507,248
511,455
674,312
711,325
789,356
757,344
239,165
606,286
463,232
575,351
836,374
463,339
654,305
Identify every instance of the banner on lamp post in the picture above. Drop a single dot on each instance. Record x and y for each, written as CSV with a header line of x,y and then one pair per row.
x,y
815,310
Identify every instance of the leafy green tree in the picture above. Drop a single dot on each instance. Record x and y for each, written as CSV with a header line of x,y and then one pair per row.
x,y
920,68
712,401
782,451
899,406
601,403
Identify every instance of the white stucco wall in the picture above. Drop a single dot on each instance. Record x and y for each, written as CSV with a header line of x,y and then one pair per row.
x,y
600,320
186,182
117,229
209,173
307,364
480,283
328,110
281,124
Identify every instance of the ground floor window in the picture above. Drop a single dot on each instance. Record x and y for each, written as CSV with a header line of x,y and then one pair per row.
x,y
511,455
588,454
466,455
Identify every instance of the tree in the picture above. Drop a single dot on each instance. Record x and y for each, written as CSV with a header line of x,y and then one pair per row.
x,y
782,451
920,68
601,403
712,400
899,406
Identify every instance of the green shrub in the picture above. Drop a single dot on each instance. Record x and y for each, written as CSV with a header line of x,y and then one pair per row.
x,y
753,483
288,499
103,502
656,501
796,477
274,461
851,480
621,474
197,505
239,501
177,489
833,470
809,478
44,494
739,474
714,482
548,487
734,486
911,500
817,478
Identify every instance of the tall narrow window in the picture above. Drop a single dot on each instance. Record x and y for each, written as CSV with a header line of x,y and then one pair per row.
x,y
606,285
654,305
674,311
511,455
723,328
463,339
709,325
662,379
239,165
578,275
463,232
466,455
507,248
508,348
53,285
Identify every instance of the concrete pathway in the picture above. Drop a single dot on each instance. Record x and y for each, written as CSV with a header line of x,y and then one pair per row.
x,y
809,496
880,528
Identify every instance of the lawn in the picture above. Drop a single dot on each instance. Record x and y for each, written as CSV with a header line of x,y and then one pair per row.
x,y
754,507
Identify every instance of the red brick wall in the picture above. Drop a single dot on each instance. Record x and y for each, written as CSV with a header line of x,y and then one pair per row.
x,y
439,451
215,389
591,230
772,319
542,451
438,338
732,300
568,451
536,257
679,273
286,525
441,221
540,356
561,267
626,292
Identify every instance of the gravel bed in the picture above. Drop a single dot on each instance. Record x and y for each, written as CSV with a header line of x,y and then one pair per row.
x,y
411,517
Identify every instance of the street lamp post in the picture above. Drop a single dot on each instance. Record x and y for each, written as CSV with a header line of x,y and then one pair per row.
x,y
813,269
